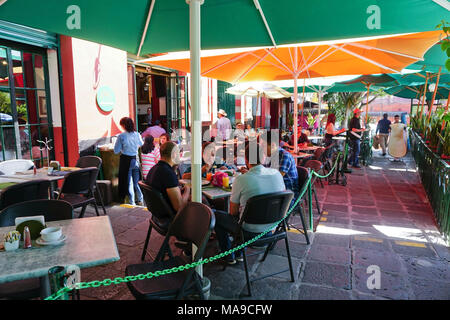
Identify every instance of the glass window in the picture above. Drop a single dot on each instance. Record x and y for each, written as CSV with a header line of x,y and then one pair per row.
x,y
5,108
4,70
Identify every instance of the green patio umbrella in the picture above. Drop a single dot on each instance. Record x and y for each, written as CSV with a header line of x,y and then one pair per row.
x,y
433,60
156,26
415,92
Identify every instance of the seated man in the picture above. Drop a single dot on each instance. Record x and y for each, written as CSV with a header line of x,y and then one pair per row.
x,y
286,163
163,178
257,181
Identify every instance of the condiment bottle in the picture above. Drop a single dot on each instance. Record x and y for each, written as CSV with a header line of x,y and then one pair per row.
x,y
26,238
35,171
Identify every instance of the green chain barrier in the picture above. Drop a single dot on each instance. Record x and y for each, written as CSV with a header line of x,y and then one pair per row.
x,y
119,280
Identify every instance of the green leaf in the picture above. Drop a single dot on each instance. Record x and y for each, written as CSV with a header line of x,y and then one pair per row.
x,y
446,29
448,52
446,117
445,45
447,64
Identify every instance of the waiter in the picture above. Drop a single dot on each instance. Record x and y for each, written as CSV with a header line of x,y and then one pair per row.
x,y
223,125
355,132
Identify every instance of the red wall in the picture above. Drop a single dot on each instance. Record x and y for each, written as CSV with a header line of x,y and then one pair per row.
x,y
69,102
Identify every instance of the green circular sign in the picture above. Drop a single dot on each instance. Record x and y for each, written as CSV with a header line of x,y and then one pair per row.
x,y
106,99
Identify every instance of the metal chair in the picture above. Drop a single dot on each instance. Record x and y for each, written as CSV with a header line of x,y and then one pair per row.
x,y
193,223
162,213
315,165
88,162
25,191
78,189
266,209
52,210
10,167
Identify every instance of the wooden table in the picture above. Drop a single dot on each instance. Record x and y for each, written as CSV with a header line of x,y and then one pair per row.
x,y
90,242
301,155
213,193
41,174
312,148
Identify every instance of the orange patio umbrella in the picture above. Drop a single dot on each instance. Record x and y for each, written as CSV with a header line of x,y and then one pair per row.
x,y
387,54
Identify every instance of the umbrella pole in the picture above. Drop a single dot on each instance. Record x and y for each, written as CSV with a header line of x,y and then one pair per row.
x,y
424,97
367,105
303,102
446,109
434,94
196,156
295,115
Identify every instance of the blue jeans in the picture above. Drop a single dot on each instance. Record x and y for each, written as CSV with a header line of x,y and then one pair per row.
x,y
133,179
226,224
356,148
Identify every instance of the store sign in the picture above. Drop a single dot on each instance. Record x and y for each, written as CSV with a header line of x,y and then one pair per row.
x,y
106,99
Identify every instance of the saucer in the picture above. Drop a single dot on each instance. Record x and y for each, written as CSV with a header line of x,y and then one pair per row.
x,y
42,242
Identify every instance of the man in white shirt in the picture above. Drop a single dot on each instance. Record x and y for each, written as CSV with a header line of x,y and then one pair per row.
x,y
257,181
223,126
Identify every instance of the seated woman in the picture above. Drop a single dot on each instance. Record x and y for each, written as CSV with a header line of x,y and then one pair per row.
x,y
208,152
150,155
330,132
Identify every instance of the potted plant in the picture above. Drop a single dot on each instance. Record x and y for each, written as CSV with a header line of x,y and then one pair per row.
x,y
311,120
12,239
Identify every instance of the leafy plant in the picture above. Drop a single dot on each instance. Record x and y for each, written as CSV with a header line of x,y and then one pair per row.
x,y
445,44
311,120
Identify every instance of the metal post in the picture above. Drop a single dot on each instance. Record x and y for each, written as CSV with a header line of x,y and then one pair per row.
x,y
196,128
195,45
434,93
295,114
310,206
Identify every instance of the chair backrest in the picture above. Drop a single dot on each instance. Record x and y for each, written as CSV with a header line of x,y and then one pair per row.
x,y
318,154
314,164
12,166
194,223
267,208
88,162
155,202
303,175
81,181
25,191
52,210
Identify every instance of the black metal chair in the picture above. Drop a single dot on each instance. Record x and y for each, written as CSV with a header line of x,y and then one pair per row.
x,y
266,209
162,213
25,191
52,210
193,223
88,162
78,189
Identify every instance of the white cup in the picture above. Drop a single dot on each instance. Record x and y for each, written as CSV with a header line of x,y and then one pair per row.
x,y
51,234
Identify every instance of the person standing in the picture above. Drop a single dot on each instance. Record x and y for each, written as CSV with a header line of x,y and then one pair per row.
x,y
355,138
150,155
223,125
128,144
330,131
156,131
148,116
397,141
383,129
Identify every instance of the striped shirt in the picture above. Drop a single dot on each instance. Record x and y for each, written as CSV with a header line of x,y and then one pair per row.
x,y
149,160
